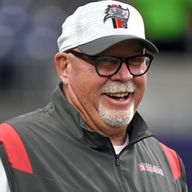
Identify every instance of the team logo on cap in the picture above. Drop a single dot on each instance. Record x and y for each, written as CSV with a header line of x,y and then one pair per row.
x,y
118,15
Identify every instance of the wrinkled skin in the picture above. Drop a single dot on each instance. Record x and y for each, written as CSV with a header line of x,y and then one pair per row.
x,y
89,93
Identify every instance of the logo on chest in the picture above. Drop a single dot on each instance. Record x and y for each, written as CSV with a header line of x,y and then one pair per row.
x,y
153,169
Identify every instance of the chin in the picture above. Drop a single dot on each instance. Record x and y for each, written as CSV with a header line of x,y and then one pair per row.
x,y
116,118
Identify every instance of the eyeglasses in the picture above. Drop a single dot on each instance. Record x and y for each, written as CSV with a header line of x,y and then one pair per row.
x,y
107,66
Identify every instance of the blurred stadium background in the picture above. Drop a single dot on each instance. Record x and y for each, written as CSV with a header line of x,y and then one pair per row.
x,y
28,33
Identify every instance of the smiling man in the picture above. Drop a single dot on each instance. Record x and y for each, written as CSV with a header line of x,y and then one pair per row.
x,y
106,88
90,136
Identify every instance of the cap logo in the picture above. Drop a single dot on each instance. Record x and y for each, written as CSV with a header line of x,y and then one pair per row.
x,y
118,15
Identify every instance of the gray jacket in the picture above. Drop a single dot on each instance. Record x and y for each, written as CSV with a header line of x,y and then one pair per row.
x,y
51,150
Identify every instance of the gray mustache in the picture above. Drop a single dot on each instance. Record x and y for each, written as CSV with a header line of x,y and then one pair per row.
x,y
114,87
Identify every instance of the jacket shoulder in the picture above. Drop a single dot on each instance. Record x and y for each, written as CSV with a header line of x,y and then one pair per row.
x,y
14,148
174,161
34,116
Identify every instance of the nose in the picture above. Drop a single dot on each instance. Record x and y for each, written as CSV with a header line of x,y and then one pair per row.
x,y
123,74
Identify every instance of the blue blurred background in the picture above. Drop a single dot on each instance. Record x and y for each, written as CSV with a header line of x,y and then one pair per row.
x,y
28,34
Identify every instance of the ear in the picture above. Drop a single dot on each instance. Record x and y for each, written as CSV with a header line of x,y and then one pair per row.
x,y
61,64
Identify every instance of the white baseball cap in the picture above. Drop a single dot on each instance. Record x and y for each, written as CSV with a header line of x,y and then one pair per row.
x,y
97,26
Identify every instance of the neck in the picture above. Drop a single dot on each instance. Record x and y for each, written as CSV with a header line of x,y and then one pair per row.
x,y
117,136
119,139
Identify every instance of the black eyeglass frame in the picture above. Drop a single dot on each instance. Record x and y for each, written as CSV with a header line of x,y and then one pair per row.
x,y
122,59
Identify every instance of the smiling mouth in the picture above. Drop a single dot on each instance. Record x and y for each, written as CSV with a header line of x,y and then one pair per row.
x,y
118,96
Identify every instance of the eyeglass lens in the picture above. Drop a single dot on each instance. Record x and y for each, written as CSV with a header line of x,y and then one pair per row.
x,y
107,66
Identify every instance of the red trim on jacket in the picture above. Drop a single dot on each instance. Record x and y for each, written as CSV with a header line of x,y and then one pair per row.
x,y
14,148
173,161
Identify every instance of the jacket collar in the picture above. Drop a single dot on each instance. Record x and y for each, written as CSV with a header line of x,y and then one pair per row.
x,y
137,129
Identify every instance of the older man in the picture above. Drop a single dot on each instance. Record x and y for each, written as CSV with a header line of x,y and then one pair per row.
x,y
90,136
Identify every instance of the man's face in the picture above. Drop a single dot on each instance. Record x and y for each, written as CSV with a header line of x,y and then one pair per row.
x,y
106,103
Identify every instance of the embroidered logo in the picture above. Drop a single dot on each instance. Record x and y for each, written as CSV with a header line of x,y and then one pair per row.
x,y
146,167
118,15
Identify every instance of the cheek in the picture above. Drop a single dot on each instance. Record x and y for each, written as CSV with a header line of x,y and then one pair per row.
x,y
85,84
141,83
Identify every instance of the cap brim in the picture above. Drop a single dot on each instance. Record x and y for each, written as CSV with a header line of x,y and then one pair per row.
x,y
99,45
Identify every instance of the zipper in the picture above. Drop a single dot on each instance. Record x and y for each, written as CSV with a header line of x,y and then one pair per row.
x,y
117,160
117,168
119,175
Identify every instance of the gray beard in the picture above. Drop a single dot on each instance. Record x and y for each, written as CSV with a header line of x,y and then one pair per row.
x,y
116,119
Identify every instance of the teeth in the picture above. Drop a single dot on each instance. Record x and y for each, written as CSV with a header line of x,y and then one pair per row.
x,y
117,94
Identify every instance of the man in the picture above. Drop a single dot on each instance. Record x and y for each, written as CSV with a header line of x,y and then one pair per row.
x,y
90,136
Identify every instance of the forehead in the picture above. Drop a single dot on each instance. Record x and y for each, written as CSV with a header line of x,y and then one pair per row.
x,y
125,47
